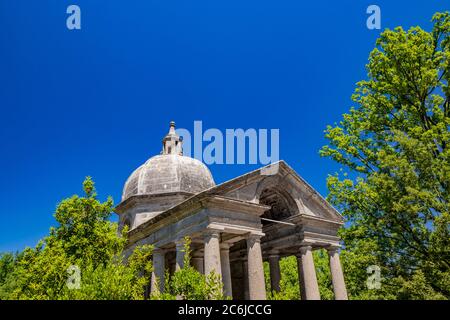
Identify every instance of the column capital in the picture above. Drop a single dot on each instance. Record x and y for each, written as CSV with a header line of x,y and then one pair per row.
x,y
303,249
157,250
179,243
253,238
273,255
333,249
225,246
211,233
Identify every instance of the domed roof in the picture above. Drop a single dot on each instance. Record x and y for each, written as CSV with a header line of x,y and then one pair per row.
x,y
169,172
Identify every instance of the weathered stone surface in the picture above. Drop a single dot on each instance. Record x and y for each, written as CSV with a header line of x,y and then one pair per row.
x,y
168,173
226,270
275,275
256,283
309,288
157,284
212,253
172,196
337,276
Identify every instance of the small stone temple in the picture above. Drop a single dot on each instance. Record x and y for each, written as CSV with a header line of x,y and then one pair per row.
x,y
263,215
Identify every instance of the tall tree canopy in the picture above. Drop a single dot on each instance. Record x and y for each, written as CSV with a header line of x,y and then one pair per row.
x,y
394,146
86,244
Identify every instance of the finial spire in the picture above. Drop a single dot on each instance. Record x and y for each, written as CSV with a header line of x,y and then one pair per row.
x,y
172,142
172,128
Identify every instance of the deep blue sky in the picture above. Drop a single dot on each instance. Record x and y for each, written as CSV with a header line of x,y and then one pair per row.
x,y
98,101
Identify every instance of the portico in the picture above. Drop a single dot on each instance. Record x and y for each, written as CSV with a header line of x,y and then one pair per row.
x,y
264,215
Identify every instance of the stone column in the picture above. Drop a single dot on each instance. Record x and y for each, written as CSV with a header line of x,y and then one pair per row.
x,y
256,284
275,275
337,276
179,260
309,288
158,270
212,252
197,262
172,268
225,266
245,274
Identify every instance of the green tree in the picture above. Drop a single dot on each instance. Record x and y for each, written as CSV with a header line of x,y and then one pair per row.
x,y
289,285
289,282
7,265
84,229
188,284
116,279
394,148
86,239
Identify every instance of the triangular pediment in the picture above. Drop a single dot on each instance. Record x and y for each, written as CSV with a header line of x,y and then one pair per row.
x,y
280,185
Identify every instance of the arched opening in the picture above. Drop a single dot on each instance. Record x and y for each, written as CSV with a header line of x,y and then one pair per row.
x,y
281,204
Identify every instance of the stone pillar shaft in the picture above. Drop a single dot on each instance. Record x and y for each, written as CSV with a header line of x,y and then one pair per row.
x,y
158,271
256,284
337,276
197,263
275,275
309,288
226,272
212,253
245,274
179,260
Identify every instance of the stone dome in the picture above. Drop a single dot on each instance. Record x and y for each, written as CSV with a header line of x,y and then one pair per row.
x,y
169,172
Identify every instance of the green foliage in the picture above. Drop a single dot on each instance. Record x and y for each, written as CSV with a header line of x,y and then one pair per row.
x,y
84,229
116,280
188,284
355,261
323,273
289,283
7,266
84,238
394,146
7,261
